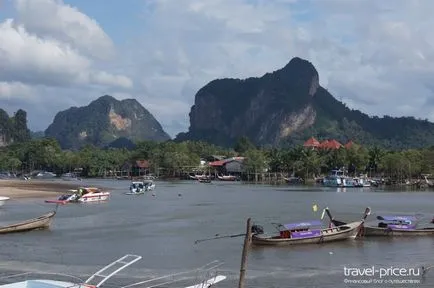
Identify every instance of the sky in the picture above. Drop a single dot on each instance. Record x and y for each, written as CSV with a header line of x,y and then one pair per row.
x,y
376,56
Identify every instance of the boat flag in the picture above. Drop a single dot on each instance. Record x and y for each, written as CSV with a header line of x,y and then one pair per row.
x,y
315,207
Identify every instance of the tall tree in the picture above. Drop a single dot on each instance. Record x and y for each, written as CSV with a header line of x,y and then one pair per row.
x,y
243,145
22,133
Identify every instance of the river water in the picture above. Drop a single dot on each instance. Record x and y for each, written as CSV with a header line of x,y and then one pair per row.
x,y
163,229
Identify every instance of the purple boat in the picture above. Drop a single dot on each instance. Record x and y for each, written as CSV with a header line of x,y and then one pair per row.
x,y
311,232
398,226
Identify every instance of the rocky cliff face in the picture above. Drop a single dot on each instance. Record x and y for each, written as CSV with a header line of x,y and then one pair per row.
x,y
104,121
266,109
13,129
287,107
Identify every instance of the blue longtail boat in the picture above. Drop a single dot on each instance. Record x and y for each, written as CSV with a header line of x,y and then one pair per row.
x,y
309,232
396,225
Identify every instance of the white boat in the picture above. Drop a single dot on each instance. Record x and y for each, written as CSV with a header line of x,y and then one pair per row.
x,y
3,200
136,188
140,187
101,276
83,195
337,178
149,185
362,181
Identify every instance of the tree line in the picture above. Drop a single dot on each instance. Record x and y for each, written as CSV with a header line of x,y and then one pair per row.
x,y
170,158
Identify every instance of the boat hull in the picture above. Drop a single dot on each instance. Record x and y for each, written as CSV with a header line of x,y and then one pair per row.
x,y
94,197
42,222
340,233
135,193
385,232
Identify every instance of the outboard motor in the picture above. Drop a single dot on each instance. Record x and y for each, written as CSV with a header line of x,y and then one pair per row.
x,y
257,229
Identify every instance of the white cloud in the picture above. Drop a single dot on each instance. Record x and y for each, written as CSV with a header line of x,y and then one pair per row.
x,y
57,20
49,50
377,56
18,90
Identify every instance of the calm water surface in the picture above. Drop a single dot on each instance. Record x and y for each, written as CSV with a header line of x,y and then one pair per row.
x,y
163,230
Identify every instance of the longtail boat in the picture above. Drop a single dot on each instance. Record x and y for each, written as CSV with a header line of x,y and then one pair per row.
x,y
41,222
309,232
398,226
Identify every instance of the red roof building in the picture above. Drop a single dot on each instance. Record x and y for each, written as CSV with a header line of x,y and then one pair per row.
x,y
143,164
349,144
331,144
311,142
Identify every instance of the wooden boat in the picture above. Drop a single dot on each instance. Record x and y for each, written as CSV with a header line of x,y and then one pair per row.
x,y
397,226
301,233
41,222
227,177
204,180
100,277
200,177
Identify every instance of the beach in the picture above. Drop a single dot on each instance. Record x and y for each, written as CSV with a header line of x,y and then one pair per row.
x,y
33,188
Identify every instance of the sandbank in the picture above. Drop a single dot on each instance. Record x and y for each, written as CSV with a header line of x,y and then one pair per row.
x,y
34,188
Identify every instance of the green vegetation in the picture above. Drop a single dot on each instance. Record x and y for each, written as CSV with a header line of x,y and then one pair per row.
x,y
103,122
13,129
169,159
259,107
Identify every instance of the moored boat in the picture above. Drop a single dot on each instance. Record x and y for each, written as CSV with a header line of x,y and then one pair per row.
x,y
82,195
70,177
200,177
362,181
227,177
136,188
140,187
338,178
309,232
3,200
149,185
41,222
406,225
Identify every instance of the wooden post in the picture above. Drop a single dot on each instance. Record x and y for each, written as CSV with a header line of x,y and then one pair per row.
x,y
247,241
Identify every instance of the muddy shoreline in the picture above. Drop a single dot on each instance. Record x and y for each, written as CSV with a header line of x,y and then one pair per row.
x,y
34,188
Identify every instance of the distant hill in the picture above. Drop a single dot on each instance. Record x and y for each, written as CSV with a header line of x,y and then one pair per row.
x,y
104,121
288,106
13,129
37,134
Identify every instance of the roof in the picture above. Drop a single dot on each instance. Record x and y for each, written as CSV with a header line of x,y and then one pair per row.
x,y
349,144
330,144
311,142
223,162
399,218
142,163
327,144
305,224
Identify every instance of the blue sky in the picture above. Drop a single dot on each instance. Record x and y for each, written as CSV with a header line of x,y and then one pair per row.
x,y
58,54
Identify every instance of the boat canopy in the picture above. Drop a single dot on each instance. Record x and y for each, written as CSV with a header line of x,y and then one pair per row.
x,y
397,218
137,184
86,190
402,226
301,225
